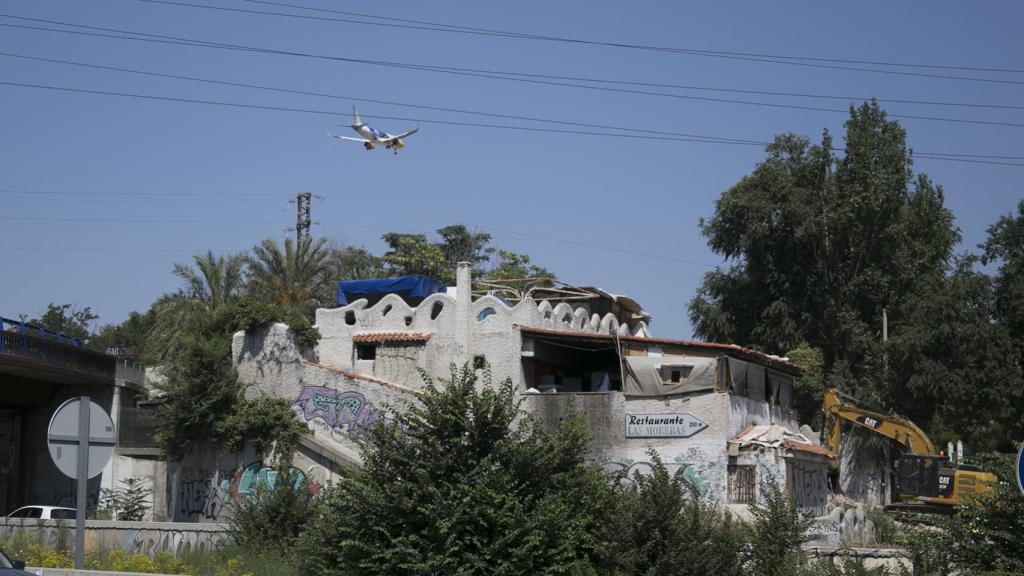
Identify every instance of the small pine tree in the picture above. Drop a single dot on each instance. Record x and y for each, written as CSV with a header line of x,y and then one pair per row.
x,y
128,502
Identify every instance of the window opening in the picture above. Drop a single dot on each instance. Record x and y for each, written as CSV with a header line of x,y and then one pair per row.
x,y
366,351
741,484
435,310
350,318
485,313
385,311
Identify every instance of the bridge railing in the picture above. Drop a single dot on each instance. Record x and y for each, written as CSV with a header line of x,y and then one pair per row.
x,y
58,355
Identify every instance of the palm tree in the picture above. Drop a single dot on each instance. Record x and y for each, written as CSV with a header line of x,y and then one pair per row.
x,y
291,275
213,282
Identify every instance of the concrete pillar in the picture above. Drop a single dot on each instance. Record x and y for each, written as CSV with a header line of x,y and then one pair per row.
x,y
463,312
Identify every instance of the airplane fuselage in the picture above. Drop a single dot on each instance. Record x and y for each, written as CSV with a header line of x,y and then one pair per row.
x,y
374,137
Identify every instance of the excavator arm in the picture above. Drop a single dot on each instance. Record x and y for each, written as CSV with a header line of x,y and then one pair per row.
x,y
838,407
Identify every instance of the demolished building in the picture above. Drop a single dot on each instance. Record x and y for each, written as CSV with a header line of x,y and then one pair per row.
x,y
719,414
693,403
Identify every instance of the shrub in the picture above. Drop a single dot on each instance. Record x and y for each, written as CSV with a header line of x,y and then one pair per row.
x,y
271,518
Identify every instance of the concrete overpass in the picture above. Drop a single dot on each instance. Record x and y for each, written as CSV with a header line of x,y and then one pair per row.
x,y
39,370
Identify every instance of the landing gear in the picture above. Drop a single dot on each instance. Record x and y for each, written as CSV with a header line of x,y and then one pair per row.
x,y
368,145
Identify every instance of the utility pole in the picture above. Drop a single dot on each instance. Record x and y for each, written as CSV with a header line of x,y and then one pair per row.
x,y
303,221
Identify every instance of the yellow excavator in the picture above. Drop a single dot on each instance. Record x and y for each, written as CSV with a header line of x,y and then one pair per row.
x,y
926,481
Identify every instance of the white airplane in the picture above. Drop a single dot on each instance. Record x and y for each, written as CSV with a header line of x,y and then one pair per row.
x,y
371,137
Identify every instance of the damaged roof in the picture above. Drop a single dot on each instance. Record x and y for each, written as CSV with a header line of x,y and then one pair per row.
x,y
776,436
776,362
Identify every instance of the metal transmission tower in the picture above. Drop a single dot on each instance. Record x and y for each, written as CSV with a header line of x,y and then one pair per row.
x,y
303,221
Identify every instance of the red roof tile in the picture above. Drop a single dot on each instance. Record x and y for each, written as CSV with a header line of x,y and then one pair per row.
x,y
379,337
812,448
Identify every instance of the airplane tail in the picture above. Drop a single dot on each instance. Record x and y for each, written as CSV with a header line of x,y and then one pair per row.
x,y
355,118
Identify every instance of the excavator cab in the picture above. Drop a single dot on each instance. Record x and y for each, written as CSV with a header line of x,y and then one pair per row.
x,y
932,483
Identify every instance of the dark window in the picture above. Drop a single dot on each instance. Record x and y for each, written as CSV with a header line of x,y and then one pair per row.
x,y
435,310
350,318
741,484
675,375
28,512
479,362
62,514
366,351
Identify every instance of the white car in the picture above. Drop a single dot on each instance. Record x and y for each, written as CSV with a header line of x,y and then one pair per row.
x,y
44,513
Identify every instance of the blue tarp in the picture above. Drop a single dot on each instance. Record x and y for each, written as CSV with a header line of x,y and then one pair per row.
x,y
408,287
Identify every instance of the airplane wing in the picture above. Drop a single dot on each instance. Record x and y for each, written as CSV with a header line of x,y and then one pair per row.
x,y
346,137
409,133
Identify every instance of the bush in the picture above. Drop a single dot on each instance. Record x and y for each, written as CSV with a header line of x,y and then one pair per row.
x,y
272,517
127,502
667,528
465,483
777,533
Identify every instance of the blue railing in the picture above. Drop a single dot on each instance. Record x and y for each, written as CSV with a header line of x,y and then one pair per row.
x,y
23,327
31,350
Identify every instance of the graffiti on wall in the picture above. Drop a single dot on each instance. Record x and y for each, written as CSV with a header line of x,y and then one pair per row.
x,y
694,466
345,411
257,474
206,493
199,495
809,487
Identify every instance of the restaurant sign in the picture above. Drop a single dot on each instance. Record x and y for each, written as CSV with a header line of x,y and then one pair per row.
x,y
680,425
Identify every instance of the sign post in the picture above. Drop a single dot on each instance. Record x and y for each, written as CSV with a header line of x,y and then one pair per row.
x,y
81,440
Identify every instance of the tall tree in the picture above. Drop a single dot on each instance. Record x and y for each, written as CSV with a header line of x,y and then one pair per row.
x,y
289,275
213,280
415,254
210,284
67,319
820,244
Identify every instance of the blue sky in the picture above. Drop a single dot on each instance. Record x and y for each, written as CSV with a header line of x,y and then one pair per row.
x,y
146,183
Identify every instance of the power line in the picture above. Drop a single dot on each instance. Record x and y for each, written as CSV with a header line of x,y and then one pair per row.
x,y
375,101
811,61
466,72
922,155
434,108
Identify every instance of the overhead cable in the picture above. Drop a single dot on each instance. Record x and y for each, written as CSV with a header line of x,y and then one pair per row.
x,y
457,71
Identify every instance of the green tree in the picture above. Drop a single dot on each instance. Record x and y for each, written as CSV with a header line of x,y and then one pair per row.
x,y
67,319
820,244
132,333
290,275
664,527
458,244
202,401
128,502
414,254
213,280
210,283
951,362
464,483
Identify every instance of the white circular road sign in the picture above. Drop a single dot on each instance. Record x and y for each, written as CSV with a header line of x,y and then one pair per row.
x,y
63,438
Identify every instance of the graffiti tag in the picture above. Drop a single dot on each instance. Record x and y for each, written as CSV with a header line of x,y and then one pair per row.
x,y
348,411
